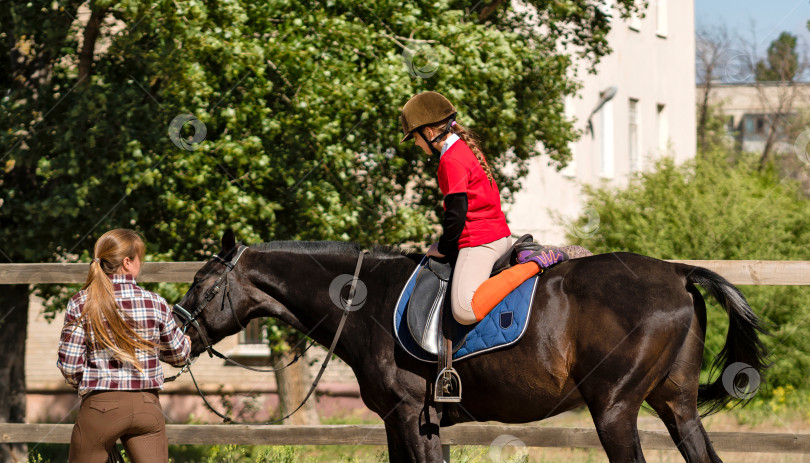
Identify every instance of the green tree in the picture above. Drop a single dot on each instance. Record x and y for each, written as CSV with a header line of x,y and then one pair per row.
x,y
782,64
709,208
300,104
780,101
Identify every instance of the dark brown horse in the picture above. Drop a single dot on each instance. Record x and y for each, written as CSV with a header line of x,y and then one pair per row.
x,y
608,331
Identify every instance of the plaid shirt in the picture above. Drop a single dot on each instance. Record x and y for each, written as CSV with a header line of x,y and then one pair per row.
x,y
88,369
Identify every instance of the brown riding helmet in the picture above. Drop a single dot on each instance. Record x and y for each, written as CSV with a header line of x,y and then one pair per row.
x,y
424,109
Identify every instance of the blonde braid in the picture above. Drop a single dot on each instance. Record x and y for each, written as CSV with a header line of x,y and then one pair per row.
x,y
470,139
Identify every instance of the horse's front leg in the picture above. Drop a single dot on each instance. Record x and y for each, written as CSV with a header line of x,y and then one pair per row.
x,y
413,434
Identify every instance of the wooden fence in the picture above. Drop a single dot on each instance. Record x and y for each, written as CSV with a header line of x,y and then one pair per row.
x,y
740,272
464,434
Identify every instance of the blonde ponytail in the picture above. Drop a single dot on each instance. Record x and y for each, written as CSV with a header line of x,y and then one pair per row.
x,y
100,306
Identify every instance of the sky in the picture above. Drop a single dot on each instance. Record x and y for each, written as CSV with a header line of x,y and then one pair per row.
x,y
770,18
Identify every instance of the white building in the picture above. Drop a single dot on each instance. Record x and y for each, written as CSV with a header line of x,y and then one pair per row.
x,y
651,114
749,107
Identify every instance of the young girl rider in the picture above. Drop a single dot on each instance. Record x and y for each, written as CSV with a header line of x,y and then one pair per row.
x,y
474,227
114,336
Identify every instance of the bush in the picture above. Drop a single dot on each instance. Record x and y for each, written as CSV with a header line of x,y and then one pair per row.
x,y
717,206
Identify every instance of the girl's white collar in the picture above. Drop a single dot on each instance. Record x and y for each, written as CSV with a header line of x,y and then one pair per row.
x,y
452,138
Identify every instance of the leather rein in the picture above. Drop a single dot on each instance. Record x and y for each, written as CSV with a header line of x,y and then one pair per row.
x,y
190,319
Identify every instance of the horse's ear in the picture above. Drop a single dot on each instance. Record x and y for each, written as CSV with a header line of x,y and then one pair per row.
x,y
228,241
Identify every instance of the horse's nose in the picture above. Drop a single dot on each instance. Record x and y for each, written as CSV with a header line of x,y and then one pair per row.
x,y
181,316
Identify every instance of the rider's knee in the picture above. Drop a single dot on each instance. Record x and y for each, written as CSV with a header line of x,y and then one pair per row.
x,y
463,312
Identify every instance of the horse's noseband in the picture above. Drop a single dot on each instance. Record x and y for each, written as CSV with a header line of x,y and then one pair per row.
x,y
190,318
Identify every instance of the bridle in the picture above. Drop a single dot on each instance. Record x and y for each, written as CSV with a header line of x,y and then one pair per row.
x,y
190,319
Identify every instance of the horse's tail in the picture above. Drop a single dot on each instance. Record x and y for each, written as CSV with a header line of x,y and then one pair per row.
x,y
744,357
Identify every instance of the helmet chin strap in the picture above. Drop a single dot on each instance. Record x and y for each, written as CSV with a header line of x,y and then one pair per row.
x,y
429,143
437,137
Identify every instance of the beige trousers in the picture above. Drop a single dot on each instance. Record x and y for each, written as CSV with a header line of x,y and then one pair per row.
x,y
473,267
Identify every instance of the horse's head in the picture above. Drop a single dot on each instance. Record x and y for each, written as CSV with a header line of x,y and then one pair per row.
x,y
220,299
269,280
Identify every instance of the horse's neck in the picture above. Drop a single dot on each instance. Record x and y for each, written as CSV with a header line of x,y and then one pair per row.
x,y
301,283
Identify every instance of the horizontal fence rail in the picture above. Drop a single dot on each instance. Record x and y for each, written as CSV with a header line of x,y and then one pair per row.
x,y
151,272
483,435
738,272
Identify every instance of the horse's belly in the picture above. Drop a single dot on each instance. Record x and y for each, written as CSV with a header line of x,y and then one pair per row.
x,y
523,398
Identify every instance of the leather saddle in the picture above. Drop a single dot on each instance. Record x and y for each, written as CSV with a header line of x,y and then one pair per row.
x,y
424,313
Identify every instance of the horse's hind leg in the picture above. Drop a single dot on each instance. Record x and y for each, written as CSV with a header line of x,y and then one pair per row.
x,y
675,398
679,413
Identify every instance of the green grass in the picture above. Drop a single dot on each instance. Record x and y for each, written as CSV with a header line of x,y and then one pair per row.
x,y
782,405
234,454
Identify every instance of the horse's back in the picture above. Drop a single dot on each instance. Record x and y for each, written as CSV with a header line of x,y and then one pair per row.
x,y
622,281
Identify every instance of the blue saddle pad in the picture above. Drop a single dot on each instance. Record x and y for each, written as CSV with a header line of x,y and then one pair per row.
x,y
503,326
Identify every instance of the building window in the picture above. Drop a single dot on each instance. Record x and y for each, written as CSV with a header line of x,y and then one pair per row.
x,y
755,124
633,133
755,127
252,344
749,125
663,128
607,147
254,333
661,18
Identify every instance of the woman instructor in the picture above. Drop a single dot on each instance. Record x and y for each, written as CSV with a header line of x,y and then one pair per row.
x,y
114,336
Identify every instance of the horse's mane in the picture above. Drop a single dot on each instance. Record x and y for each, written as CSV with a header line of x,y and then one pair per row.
x,y
335,248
